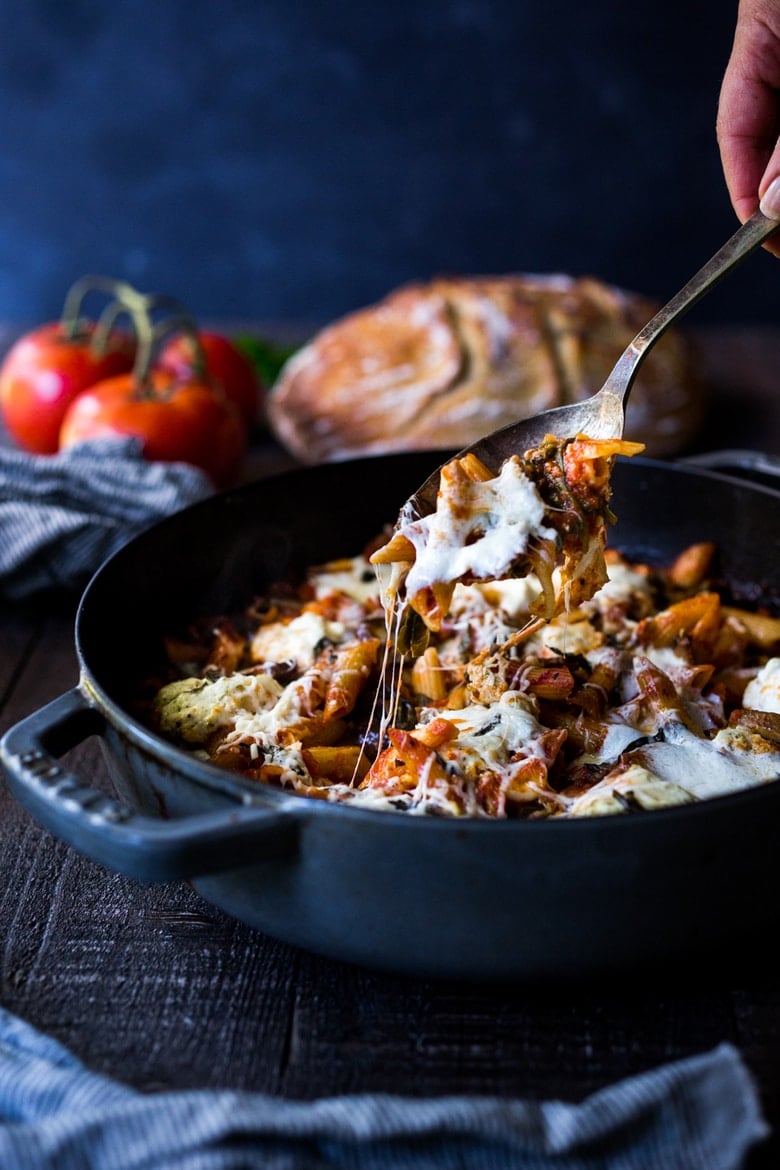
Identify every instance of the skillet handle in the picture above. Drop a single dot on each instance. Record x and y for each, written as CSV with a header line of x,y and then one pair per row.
x,y
143,847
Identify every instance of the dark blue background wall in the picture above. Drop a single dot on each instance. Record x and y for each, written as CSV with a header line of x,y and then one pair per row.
x,y
293,160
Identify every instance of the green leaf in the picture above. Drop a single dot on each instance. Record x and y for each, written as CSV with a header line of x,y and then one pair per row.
x,y
266,356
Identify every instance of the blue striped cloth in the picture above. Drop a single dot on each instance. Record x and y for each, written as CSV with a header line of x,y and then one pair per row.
x,y
696,1114
62,515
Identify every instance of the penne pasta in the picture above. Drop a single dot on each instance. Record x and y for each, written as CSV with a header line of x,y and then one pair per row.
x,y
523,671
544,513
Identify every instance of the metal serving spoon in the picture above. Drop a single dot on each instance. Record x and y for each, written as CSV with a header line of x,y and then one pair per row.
x,y
602,415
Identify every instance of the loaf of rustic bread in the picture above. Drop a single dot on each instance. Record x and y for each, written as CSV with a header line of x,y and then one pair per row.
x,y
439,365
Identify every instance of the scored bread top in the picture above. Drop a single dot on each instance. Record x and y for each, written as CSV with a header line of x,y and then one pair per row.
x,y
441,364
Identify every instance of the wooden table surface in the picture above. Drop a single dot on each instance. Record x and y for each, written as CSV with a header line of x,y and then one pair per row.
x,y
151,985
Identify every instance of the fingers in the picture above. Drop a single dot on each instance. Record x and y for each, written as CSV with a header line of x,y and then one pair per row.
x,y
748,121
746,137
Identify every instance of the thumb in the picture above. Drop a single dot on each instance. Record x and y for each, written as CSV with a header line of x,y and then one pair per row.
x,y
769,187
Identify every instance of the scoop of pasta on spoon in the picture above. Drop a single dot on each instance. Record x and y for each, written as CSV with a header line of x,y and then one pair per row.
x,y
533,496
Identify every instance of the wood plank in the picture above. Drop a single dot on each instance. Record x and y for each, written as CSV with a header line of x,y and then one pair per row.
x,y
153,986
19,630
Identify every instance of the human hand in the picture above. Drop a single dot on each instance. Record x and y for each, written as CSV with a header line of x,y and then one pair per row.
x,y
749,112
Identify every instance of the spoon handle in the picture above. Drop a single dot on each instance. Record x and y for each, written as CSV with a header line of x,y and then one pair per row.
x,y
602,416
745,240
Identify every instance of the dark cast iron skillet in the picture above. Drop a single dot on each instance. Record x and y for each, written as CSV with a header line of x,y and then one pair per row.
x,y
466,899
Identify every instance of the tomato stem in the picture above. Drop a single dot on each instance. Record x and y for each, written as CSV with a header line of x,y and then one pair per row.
x,y
141,309
71,317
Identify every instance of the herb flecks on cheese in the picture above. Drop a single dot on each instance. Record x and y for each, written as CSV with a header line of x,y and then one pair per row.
x,y
650,694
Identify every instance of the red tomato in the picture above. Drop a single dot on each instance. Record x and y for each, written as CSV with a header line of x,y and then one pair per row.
x,y
178,421
226,367
45,370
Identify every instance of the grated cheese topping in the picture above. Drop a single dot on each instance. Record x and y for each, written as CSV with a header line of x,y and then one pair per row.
x,y
645,695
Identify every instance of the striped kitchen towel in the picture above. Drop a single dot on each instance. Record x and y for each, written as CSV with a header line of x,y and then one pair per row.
x,y
62,515
701,1113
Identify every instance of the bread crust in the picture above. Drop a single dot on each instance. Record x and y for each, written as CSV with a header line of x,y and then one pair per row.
x,y
439,365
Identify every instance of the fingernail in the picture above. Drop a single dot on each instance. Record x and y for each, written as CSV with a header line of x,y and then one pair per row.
x,y
770,200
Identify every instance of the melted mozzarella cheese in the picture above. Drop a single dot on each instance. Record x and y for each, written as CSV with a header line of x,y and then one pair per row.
x,y
479,532
763,692
622,586
194,708
475,623
295,641
489,735
706,768
355,577
634,786
513,596
264,726
566,637
619,736
667,660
